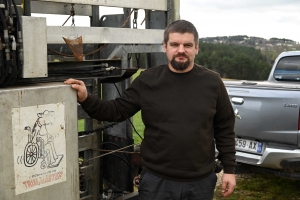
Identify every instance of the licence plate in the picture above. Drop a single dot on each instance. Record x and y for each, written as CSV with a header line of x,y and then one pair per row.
x,y
248,145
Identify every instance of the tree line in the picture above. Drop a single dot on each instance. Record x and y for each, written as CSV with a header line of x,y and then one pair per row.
x,y
233,61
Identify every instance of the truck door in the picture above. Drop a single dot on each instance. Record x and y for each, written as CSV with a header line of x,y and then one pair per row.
x,y
269,115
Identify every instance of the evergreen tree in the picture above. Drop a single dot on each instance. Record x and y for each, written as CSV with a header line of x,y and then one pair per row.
x,y
233,61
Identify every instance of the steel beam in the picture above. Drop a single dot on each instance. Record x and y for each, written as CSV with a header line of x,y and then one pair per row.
x,y
30,69
138,4
122,50
93,35
59,8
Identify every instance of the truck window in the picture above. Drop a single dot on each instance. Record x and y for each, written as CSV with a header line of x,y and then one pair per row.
x,y
288,69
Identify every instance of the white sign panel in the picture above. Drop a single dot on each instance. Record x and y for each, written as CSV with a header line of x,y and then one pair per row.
x,y
39,146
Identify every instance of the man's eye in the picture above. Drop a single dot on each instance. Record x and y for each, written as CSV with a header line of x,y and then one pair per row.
x,y
174,44
188,45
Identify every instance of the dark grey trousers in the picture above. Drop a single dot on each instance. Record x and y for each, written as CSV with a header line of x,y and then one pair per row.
x,y
152,187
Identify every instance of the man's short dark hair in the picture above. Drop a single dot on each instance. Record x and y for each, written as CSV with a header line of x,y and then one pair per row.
x,y
181,26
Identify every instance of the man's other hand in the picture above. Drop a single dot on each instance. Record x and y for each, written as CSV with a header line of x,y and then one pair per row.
x,y
228,184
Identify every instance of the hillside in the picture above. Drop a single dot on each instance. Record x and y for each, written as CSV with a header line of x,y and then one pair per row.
x,y
271,48
234,61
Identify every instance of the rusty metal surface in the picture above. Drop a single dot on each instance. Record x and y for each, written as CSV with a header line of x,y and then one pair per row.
x,y
76,47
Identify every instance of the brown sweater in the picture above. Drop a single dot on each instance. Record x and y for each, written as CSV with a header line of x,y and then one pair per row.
x,y
183,113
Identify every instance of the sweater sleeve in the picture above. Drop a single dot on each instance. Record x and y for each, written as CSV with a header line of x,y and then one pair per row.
x,y
224,131
116,110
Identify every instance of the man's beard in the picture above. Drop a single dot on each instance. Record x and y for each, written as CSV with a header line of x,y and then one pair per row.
x,y
180,66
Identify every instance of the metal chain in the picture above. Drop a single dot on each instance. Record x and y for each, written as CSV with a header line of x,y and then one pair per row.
x,y
102,128
73,14
135,16
129,56
72,11
137,57
73,21
128,59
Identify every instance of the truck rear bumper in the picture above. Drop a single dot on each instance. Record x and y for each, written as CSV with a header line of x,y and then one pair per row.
x,y
272,158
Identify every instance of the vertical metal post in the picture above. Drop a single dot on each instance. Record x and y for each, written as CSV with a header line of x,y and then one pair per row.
x,y
127,63
173,12
115,170
109,91
95,16
97,182
27,8
93,185
165,18
152,22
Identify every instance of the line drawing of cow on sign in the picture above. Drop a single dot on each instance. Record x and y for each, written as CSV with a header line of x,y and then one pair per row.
x,y
41,143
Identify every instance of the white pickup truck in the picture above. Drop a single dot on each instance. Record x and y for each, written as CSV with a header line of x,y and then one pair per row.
x,y
267,123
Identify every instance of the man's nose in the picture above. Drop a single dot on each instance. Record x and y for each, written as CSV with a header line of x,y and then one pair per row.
x,y
181,48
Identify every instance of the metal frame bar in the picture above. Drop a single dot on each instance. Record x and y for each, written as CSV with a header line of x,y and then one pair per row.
x,y
59,8
93,35
122,50
138,4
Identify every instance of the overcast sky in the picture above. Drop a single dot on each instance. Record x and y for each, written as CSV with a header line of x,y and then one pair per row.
x,y
260,18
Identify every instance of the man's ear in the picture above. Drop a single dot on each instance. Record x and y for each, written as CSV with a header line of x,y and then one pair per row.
x,y
165,47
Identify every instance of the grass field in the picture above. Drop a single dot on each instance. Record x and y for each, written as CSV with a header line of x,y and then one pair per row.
x,y
80,125
254,186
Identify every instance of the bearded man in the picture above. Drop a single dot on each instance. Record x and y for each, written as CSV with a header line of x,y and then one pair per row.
x,y
186,112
